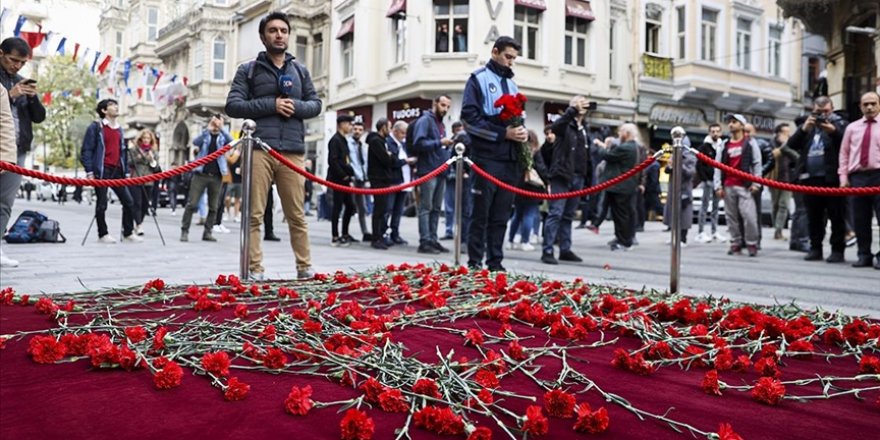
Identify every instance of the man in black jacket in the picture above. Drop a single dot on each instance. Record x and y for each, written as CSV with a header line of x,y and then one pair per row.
x,y
340,171
381,169
818,142
569,170
276,92
619,160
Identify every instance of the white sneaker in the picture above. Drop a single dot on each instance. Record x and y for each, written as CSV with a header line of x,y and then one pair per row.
x,y
720,236
225,229
220,229
703,237
235,219
133,238
138,230
527,247
6,261
534,240
107,239
684,244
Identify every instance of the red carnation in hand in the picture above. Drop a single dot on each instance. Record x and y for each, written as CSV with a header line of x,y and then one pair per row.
x,y
426,387
135,334
46,350
216,363
299,400
235,390
769,391
534,423
274,359
710,383
869,365
392,400
559,404
592,422
169,376
725,432
481,433
356,425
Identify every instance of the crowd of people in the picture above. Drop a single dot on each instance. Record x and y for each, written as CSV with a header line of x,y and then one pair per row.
x,y
276,91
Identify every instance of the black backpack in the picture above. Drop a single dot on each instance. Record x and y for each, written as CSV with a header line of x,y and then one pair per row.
x,y
410,138
32,227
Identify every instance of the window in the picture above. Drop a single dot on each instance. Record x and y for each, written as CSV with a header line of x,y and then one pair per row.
x,y
450,15
398,29
317,55
347,56
774,64
744,43
576,41
612,47
813,68
198,61
219,59
526,28
152,23
118,44
709,28
681,19
302,46
652,29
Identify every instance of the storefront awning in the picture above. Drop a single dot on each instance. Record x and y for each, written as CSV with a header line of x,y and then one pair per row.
x,y
397,6
579,9
533,4
347,29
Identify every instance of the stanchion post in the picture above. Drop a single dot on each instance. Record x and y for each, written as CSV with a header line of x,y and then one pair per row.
x,y
674,200
247,159
459,184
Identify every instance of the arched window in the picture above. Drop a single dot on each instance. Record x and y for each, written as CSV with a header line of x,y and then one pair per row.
x,y
219,60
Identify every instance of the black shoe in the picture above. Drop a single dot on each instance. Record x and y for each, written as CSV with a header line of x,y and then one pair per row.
x,y
619,247
474,267
581,226
569,256
349,238
379,244
877,264
368,237
813,255
271,237
498,268
439,247
339,242
548,259
864,262
398,240
184,237
447,237
798,247
427,248
207,236
835,257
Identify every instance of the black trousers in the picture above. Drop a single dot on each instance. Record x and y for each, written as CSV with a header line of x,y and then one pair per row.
x,y
380,207
268,225
129,211
864,209
341,199
492,208
820,210
623,213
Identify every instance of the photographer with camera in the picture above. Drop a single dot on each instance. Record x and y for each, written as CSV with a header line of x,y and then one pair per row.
x,y
818,142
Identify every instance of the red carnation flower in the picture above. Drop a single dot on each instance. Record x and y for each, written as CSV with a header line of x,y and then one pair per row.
x,y
481,433
426,387
441,421
869,365
46,307
392,400
725,432
802,346
135,334
487,379
710,384
169,376
274,359
592,422
235,390
299,400
356,425
372,388
216,363
24,300
312,326
832,336
46,349
516,351
559,403
766,366
241,311
127,358
268,333
742,363
159,338
534,422
474,337
769,391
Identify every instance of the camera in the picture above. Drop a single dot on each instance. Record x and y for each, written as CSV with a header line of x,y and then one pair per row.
x,y
820,118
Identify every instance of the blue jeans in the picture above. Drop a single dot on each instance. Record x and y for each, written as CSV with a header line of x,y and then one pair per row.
x,y
395,211
430,207
449,206
561,214
525,216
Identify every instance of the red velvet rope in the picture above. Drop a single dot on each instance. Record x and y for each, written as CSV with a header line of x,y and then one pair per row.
x,y
129,181
354,190
815,190
566,195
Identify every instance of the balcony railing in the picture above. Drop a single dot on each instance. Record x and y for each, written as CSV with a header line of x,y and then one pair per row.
x,y
657,67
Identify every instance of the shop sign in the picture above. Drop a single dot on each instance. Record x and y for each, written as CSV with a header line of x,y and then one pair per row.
x,y
407,110
668,114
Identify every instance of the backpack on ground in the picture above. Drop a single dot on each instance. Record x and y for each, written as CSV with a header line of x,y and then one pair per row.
x,y
32,227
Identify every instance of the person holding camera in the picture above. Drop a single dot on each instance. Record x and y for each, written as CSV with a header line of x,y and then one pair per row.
x,y
818,142
208,176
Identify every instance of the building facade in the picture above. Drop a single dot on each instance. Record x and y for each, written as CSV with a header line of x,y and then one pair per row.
x,y
703,59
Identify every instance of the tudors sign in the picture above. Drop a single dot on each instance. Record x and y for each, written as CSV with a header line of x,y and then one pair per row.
x,y
668,114
407,110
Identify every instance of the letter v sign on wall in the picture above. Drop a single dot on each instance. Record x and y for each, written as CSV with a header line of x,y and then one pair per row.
x,y
493,12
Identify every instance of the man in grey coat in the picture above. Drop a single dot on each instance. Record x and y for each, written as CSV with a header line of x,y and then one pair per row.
x,y
276,92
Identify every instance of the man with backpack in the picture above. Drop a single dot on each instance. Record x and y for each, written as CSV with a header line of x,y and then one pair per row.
x,y
276,91
104,157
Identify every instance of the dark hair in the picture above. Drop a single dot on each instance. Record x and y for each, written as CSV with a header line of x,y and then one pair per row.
x,y
779,127
102,106
381,123
358,123
439,97
217,116
714,124
504,42
457,124
548,128
15,44
277,15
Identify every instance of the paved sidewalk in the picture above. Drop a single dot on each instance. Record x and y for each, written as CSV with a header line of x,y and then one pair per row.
x,y
776,275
